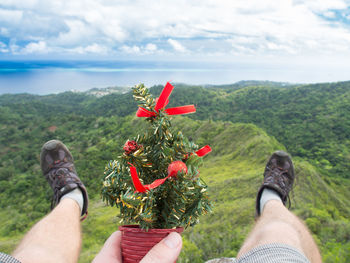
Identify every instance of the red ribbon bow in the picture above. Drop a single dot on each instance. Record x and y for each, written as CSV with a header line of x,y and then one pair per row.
x,y
162,101
203,151
143,188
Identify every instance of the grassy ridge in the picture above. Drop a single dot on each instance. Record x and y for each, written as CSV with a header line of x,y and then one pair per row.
x,y
233,172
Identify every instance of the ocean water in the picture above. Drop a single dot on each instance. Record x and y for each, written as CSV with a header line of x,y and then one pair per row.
x,y
46,77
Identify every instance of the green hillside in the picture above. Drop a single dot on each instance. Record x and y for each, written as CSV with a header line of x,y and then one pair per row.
x,y
96,128
310,120
234,172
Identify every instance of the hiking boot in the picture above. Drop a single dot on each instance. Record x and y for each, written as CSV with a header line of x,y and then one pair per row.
x,y
278,176
57,166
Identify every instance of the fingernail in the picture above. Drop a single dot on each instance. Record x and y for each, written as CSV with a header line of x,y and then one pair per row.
x,y
172,240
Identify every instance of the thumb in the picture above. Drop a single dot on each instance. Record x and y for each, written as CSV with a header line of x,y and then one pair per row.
x,y
166,251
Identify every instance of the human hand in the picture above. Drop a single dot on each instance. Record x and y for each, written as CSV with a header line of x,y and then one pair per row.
x,y
166,251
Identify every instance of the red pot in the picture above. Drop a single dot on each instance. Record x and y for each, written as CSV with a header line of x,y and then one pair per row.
x,y
137,242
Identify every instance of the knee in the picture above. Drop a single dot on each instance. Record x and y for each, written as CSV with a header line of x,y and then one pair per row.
x,y
279,232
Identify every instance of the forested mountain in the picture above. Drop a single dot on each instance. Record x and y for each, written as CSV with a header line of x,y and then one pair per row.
x,y
243,122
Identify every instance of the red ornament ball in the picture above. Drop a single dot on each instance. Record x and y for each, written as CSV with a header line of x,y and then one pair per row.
x,y
130,147
175,167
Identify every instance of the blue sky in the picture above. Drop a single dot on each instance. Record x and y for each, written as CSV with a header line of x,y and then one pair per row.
x,y
314,34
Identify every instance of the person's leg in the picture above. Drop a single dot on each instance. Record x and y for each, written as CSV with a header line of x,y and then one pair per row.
x,y
278,225
55,238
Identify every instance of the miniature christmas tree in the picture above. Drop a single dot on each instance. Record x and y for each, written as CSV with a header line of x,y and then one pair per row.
x,y
156,182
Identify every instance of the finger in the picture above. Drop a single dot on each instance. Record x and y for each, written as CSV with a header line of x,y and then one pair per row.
x,y
166,251
111,251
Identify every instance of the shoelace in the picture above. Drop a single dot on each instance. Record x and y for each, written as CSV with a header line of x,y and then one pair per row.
x,y
53,176
276,171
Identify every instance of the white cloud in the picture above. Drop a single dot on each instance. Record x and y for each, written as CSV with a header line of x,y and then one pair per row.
x,y
20,4
90,49
10,16
14,48
3,48
78,34
151,47
35,47
324,5
329,14
4,31
176,45
95,48
141,27
130,50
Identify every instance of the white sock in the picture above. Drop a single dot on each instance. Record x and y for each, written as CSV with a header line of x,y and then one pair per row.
x,y
77,196
267,195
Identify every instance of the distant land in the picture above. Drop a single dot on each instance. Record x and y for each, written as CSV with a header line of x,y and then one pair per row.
x,y
99,92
